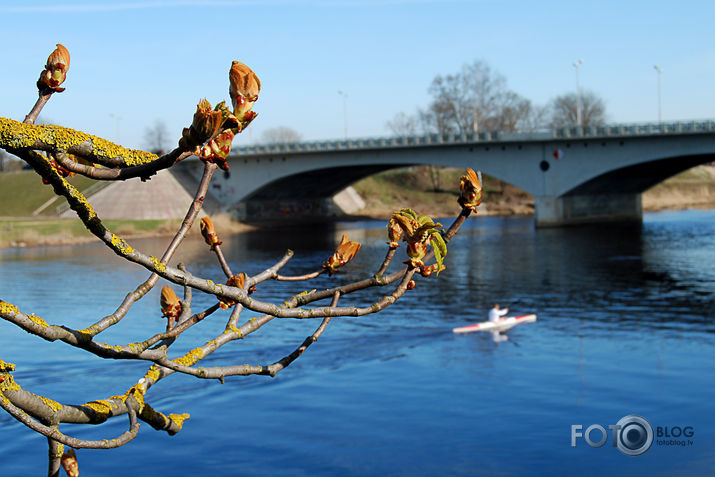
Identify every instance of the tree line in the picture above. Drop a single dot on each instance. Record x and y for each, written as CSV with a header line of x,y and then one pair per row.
x,y
478,99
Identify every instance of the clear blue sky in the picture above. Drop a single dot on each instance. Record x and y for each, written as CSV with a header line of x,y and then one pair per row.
x,y
143,60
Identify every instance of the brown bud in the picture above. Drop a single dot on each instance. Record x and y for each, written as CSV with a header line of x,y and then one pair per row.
x,y
238,281
470,190
205,124
244,87
343,254
411,285
209,233
394,233
69,463
55,71
217,149
170,304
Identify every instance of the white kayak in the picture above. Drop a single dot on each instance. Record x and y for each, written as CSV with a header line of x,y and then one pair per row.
x,y
501,325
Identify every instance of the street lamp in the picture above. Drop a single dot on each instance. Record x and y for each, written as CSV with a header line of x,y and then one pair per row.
x,y
579,121
660,111
345,110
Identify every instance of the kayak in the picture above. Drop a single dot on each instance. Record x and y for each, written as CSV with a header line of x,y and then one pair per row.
x,y
501,325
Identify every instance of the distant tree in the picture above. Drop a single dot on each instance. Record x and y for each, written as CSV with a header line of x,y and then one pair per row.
x,y
156,138
475,99
280,135
564,110
403,125
539,117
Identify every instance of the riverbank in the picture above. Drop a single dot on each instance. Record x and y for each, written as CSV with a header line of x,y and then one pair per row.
x,y
432,191
23,232
428,190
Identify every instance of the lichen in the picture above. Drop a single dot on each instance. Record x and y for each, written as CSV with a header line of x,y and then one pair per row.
x,y
101,408
153,373
54,405
37,320
59,450
6,367
190,358
8,384
178,419
88,333
233,329
158,266
135,348
6,307
18,135
121,245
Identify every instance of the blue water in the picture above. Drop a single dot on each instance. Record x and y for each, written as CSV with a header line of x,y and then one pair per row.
x,y
625,326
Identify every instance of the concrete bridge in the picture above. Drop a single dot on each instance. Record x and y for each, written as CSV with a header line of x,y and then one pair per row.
x,y
576,175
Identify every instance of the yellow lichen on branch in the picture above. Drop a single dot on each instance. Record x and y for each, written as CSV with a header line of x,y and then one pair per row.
x,y
191,358
178,419
6,307
18,135
54,405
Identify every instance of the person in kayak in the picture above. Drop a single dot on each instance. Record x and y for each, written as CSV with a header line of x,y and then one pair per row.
x,y
495,314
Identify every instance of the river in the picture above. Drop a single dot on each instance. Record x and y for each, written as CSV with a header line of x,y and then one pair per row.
x,y
625,327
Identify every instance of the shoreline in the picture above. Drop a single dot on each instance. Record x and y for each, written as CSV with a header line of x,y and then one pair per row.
x,y
32,240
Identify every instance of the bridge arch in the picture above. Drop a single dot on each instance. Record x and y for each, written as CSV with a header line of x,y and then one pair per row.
x,y
575,176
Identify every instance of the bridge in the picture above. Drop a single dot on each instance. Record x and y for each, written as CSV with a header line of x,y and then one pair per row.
x,y
576,175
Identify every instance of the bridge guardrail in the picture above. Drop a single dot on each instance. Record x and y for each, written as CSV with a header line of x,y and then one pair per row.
x,y
610,130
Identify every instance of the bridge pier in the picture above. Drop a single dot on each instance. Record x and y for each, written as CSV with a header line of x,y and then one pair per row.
x,y
587,209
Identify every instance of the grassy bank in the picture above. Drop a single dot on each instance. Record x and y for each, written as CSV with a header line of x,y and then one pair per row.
x,y
22,193
28,232
433,191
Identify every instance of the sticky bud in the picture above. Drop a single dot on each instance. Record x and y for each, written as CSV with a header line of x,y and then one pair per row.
x,y
244,87
343,254
209,233
55,71
69,463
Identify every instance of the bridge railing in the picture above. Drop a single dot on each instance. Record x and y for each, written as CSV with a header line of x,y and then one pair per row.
x,y
609,130
637,129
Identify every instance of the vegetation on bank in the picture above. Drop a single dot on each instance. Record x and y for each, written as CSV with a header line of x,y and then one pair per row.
x,y
426,187
429,189
26,232
22,193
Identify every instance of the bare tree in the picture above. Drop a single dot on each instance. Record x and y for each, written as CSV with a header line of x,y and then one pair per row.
x,y
564,109
403,125
50,150
475,99
156,137
280,135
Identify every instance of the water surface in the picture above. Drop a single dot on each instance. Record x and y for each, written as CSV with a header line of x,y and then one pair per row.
x,y
625,326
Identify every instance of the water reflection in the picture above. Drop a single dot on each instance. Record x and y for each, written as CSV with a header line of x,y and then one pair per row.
x,y
625,318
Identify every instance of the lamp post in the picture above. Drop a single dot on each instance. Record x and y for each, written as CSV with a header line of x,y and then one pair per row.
x,y
660,111
579,121
345,110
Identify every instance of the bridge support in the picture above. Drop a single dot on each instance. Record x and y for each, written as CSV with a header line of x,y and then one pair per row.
x,y
587,209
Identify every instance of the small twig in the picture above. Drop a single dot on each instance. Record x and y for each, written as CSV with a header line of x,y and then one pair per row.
x,y
222,260
44,96
298,278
